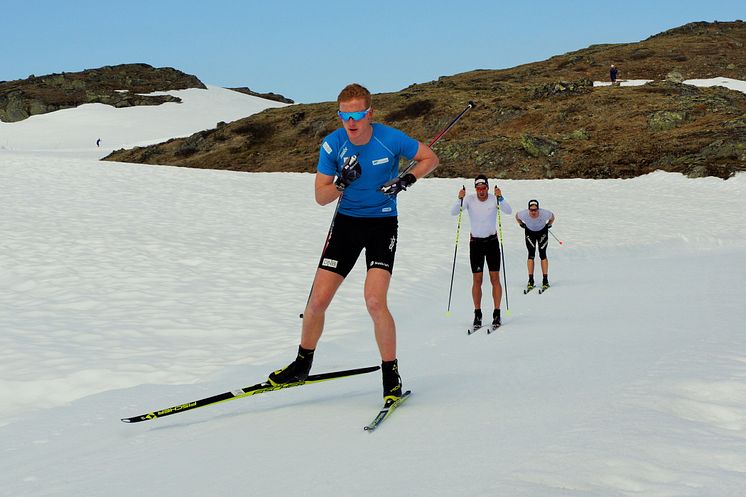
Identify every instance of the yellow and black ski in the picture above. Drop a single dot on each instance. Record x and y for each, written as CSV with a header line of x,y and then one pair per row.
x,y
384,413
263,387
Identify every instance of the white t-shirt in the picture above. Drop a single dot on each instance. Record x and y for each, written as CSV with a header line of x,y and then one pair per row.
x,y
482,214
537,223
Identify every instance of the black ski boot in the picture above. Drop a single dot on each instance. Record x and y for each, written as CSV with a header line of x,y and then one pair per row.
x,y
391,381
294,372
496,322
477,319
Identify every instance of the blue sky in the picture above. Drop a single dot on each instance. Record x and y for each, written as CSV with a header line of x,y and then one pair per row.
x,y
308,50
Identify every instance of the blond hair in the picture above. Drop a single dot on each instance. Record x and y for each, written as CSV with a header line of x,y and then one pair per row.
x,y
353,91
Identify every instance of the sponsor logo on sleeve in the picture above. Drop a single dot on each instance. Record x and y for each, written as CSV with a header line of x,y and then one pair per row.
x,y
326,148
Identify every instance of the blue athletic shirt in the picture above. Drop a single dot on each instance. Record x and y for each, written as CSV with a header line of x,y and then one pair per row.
x,y
379,160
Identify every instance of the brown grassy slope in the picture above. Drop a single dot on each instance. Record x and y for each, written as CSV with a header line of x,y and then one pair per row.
x,y
538,120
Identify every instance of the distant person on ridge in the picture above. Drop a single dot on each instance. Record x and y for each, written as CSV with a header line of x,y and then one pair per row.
x,y
483,243
536,223
364,156
98,142
613,71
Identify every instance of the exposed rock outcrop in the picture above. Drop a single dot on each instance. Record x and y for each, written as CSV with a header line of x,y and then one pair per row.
x,y
119,86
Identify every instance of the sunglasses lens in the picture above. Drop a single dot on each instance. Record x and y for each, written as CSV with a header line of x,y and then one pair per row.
x,y
355,116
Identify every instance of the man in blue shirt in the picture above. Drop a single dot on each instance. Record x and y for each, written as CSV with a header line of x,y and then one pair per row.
x,y
359,166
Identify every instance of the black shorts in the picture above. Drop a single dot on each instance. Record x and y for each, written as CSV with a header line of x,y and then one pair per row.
x,y
481,249
537,239
350,235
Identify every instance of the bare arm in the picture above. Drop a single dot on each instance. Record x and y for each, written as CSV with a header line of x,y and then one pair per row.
x,y
427,161
326,192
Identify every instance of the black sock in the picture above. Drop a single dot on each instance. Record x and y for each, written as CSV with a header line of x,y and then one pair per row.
x,y
305,354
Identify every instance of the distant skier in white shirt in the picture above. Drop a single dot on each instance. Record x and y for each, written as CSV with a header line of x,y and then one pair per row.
x,y
536,223
483,243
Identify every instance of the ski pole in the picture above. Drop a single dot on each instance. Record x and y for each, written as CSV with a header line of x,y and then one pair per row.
x,y
455,251
555,237
326,244
409,167
502,256
412,163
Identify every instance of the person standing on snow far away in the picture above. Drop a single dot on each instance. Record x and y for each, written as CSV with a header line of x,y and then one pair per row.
x,y
613,71
364,156
483,243
536,222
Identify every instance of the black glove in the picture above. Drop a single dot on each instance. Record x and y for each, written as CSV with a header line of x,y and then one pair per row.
x,y
351,171
392,188
549,226
522,224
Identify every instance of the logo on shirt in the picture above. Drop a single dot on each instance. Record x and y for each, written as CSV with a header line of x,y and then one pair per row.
x,y
380,161
326,148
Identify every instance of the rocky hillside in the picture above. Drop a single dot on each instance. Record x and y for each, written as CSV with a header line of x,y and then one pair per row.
x,y
539,120
119,86
268,96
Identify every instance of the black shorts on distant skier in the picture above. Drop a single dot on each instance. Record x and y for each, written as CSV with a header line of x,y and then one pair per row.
x,y
536,223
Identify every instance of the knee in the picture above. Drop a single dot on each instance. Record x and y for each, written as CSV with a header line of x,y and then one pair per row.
x,y
375,305
477,278
316,305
